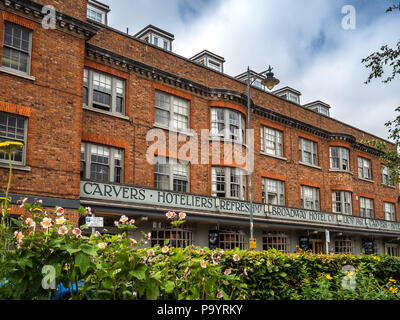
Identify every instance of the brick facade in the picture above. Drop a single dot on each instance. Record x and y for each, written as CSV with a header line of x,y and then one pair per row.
x,y
57,122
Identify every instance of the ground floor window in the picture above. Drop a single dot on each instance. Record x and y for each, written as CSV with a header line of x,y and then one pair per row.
x,y
343,245
392,249
230,239
276,240
178,237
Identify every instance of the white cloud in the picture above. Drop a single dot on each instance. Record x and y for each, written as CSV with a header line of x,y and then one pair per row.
x,y
302,40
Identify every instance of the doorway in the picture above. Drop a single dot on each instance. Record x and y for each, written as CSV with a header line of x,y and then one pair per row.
x,y
317,246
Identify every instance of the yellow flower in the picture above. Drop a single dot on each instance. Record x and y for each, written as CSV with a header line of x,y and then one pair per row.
x,y
393,290
328,277
10,146
392,280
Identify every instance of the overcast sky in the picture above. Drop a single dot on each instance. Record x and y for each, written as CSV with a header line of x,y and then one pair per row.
x,y
303,40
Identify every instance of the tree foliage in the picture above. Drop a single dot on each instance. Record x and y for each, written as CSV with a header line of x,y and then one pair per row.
x,y
376,62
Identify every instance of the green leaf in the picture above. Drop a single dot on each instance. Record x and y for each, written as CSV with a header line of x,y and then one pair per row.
x,y
139,272
82,261
88,249
108,283
169,286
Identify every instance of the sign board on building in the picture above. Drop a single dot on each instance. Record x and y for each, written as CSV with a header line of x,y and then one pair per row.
x,y
253,243
95,222
181,201
213,239
369,247
304,243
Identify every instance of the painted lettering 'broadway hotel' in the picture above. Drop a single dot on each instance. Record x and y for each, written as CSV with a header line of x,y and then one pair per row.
x,y
85,100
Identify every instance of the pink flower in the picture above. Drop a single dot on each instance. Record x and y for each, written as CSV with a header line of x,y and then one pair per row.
x,y
150,252
77,231
123,219
203,264
60,221
236,257
102,245
227,272
79,236
18,235
40,201
182,215
46,223
149,236
201,251
133,242
219,258
30,222
165,249
62,230
245,271
132,222
220,295
88,210
170,214
59,211
116,223
96,234
23,202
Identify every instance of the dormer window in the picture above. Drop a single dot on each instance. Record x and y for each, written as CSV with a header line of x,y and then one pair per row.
x,y
318,106
255,79
210,60
97,11
289,94
156,36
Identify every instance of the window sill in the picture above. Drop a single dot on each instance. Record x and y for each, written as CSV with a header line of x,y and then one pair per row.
x,y
387,186
184,132
366,180
16,73
340,171
273,156
310,165
15,166
106,113
222,139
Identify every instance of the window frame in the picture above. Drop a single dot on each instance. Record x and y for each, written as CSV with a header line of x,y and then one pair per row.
x,y
172,111
227,134
341,151
228,183
270,241
86,146
23,161
363,167
238,242
278,135
367,208
342,202
185,234
389,178
313,152
171,163
316,202
343,245
98,11
280,187
113,95
29,53
391,213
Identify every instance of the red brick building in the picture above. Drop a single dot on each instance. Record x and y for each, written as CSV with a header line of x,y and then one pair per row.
x,y
84,99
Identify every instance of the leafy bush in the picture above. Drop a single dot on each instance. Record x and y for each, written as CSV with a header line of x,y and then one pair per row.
x,y
117,267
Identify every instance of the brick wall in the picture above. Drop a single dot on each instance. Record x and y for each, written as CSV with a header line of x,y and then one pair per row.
x,y
57,123
53,105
